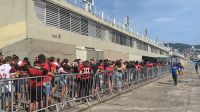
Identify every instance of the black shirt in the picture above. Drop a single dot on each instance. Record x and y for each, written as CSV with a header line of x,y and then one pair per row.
x,y
94,67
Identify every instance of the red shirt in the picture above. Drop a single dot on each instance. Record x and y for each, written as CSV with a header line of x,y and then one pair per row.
x,y
101,69
86,72
34,72
45,77
22,64
149,65
109,71
138,67
80,65
53,67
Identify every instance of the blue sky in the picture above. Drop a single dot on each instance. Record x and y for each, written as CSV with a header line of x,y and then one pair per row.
x,y
169,20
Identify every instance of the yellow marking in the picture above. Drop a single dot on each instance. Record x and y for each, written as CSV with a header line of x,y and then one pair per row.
x,y
11,32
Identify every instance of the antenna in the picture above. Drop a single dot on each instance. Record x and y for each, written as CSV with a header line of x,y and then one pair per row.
x,y
126,22
145,32
156,38
88,4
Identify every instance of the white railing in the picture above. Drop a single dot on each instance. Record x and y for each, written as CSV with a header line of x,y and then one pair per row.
x,y
111,20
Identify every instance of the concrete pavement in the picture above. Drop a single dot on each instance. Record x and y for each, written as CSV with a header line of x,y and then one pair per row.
x,y
158,96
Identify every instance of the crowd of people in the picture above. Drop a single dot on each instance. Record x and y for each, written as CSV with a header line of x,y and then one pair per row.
x,y
48,75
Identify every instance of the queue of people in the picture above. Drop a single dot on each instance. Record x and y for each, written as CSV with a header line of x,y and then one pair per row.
x,y
48,75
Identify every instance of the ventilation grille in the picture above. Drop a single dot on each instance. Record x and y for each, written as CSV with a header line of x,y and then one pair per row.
x,y
84,26
64,19
53,15
40,10
75,23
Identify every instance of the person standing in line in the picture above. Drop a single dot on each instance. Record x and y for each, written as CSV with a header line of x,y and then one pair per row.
x,y
118,75
174,73
85,72
7,72
100,72
109,72
196,68
40,87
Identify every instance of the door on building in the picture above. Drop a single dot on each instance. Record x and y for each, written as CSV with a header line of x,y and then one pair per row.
x,y
93,54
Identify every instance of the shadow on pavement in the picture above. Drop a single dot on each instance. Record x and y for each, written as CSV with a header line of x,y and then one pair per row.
x,y
169,83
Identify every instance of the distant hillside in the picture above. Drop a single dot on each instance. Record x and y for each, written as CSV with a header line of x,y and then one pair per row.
x,y
197,46
181,46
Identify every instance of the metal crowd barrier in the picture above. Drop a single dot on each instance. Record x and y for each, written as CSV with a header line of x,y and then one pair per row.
x,y
65,91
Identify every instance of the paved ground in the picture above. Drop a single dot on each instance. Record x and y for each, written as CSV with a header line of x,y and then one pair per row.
x,y
159,96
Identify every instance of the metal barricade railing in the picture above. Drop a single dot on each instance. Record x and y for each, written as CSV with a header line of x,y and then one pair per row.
x,y
64,91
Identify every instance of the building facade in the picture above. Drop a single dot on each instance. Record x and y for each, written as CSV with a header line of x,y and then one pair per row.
x,y
62,29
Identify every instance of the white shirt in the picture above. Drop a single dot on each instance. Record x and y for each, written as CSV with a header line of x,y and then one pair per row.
x,y
56,63
5,74
5,71
61,70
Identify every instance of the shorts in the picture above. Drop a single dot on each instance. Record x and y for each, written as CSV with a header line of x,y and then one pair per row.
x,y
64,80
46,88
36,94
110,77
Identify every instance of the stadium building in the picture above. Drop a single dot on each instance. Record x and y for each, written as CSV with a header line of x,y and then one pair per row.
x,y
70,29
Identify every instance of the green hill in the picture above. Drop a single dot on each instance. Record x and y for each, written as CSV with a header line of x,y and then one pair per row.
x,y
197,46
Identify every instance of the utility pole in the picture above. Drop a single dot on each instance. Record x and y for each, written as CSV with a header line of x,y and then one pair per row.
x,y
145,32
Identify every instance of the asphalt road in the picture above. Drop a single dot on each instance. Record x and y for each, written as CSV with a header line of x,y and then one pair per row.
x,y
158,96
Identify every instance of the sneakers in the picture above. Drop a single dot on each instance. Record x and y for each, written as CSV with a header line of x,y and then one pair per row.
x,y
18,107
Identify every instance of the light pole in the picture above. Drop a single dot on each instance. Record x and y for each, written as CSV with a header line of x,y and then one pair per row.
x,y
171,53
